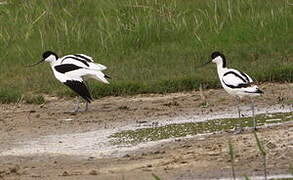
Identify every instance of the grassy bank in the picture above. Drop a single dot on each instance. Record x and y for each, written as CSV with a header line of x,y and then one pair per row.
x,y
148,46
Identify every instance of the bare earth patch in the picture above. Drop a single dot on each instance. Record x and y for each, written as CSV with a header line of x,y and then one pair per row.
x,y
46,142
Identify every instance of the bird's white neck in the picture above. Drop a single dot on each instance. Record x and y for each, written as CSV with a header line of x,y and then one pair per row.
x,y
220,68
53,64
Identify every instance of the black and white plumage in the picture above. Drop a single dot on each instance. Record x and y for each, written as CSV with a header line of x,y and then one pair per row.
x,y
72,69
236,83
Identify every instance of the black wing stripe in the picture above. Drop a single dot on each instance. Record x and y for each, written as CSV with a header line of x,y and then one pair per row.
x,y
238,86
63,68
75,58
237,75
258,91
80,88
245,76
83,57
241,85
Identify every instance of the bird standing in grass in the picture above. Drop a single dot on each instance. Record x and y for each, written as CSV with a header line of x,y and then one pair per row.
x,y
236,83
71,71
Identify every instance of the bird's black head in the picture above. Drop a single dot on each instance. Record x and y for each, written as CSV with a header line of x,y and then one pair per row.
x,y
216,54
48,56
49,53
215,59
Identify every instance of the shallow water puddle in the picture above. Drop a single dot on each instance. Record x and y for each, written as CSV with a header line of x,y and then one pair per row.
x,y
271,177
195,128
120,141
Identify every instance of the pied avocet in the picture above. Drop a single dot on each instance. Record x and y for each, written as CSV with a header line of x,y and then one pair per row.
x,y
71,71
236,83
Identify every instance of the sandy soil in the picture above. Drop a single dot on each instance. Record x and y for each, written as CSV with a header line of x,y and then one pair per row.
x,y
26,130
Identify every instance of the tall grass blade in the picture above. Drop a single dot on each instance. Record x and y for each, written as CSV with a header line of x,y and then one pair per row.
x,y
246,177
232,157
155,177
263,153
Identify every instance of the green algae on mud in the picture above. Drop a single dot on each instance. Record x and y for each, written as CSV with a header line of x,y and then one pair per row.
x,y
194,128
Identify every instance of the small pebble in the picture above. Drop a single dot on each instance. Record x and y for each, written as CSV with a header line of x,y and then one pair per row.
x,y
93,172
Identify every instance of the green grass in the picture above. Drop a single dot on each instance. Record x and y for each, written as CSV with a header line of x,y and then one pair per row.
x,y
156,177
148,46
8,95
186,129
34,99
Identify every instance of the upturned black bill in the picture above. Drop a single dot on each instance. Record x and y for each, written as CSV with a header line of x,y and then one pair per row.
x,y
35,63
203,64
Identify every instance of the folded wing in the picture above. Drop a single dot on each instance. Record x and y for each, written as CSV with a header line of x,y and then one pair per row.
x,y
236,79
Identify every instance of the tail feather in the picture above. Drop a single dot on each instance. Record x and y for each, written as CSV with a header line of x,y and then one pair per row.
x,y
259,91
254,90
98,75
106,76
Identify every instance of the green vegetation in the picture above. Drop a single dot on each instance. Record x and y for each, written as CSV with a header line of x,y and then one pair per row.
x,y
185,129
148,46
36,99
8,95
156,177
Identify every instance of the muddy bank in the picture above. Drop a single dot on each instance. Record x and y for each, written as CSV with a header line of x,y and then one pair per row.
x,y
45,142
201,157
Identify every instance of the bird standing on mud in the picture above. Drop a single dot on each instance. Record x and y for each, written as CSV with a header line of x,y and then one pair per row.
x,y
236,83
71,71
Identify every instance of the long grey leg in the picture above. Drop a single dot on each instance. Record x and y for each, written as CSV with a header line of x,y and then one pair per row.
x,y
238,108
253,116
239,129
77,105
86,106
86,103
